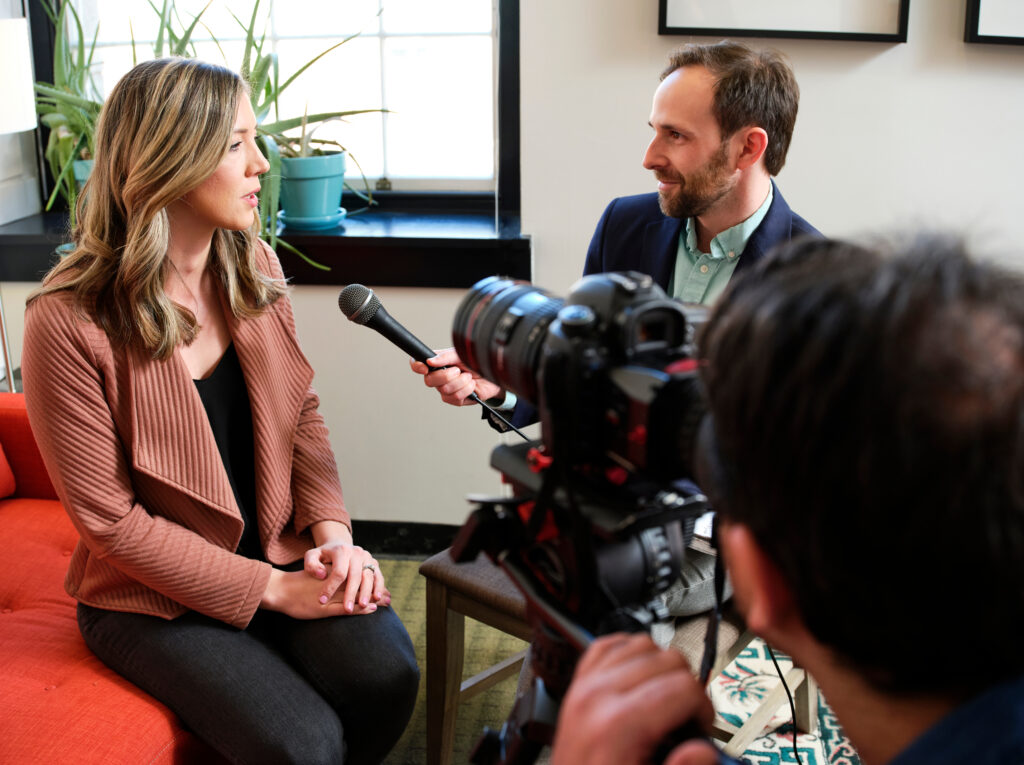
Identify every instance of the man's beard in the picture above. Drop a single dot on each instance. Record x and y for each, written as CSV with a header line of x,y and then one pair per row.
x,y
701,191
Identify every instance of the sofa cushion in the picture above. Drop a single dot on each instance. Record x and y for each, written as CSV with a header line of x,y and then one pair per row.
x,y
6,476
58,702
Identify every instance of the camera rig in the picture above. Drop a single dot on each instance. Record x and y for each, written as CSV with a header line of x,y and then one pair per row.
x,y
603,506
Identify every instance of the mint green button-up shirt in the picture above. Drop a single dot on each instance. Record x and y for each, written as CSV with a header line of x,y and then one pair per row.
x,y
700,277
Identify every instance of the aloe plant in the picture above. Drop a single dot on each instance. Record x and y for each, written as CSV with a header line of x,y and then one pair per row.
x,y
178,44
305,145
70,105
262,71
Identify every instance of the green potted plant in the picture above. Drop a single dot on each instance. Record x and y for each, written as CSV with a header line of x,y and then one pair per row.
x,y
69,107
262,71
313,179
312,182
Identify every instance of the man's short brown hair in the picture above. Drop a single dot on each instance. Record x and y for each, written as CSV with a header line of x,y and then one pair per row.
x,y
752,88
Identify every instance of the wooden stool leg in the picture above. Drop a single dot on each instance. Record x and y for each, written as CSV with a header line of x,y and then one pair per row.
x,y
805,697
805,700
445,646
752,728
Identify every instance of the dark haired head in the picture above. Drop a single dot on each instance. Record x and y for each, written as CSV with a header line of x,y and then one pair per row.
x,y
868,409
754,88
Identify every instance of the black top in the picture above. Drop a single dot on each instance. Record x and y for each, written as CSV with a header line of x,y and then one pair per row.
x,y
226,401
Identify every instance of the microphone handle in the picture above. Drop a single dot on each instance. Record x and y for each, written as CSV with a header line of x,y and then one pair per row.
x,y
386,325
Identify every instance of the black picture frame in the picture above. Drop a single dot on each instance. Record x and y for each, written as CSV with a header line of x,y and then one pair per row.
x,y
977,29
668,18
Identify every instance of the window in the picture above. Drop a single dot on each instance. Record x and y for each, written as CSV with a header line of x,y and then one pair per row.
x,y
432,65
445,231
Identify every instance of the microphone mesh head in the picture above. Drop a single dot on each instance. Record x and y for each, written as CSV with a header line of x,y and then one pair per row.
x,y
358,303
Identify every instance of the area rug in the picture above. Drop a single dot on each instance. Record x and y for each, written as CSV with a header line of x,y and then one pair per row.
x,y
738,691
735,693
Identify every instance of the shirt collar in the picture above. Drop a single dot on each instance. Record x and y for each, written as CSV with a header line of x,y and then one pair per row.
x,y
732,240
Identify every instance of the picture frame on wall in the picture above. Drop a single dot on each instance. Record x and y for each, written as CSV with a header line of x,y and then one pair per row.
x,y
995,21
863,20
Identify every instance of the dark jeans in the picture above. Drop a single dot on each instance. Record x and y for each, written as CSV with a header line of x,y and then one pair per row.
x,y
283,690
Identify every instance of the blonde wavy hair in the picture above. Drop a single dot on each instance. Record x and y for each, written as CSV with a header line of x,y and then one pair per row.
x,y
163,130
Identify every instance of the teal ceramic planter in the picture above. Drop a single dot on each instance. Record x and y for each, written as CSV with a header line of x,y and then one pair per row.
x,y
311,190
81,169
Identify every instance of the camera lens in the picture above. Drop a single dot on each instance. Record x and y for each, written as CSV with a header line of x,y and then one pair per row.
x,y
499,330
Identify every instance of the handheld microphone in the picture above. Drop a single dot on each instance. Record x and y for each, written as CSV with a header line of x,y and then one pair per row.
x,y
360,305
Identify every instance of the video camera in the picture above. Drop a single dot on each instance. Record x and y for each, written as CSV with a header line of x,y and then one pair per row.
x,y
603,506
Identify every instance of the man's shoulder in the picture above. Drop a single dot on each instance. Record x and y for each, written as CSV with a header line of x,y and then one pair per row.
x,y
630,215
801,227
781,212
985,730
634,235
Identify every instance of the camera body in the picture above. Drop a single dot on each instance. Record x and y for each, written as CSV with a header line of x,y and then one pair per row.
x,y
603,506
611,369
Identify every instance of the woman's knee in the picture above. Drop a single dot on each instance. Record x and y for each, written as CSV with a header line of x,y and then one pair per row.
x,y
321,748
316,740
399,677
394,663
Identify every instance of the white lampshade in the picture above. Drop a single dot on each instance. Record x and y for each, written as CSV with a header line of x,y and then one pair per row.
x,y
17,98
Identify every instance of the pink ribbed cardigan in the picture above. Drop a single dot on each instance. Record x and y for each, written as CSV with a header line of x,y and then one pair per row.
x,y
130,451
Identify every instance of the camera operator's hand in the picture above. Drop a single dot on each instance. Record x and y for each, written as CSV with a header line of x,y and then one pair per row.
x,y
626,696
455,383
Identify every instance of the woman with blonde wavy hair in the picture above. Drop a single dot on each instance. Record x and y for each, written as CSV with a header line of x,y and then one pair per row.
x,y
172,404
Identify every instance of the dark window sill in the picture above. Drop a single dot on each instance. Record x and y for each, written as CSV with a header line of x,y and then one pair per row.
x,y
420,248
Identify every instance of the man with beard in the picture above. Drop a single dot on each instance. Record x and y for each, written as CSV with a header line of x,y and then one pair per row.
x,y
723,118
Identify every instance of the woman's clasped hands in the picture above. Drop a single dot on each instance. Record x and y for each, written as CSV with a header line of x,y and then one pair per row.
x,y
338,579
341,563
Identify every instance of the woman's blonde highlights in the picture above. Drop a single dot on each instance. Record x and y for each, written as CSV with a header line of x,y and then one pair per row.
x,y
163,130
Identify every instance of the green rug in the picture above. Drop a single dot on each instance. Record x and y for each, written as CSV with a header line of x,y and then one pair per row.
x,y
484,647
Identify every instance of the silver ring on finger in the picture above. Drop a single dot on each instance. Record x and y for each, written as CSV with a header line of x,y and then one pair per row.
x,y
369,567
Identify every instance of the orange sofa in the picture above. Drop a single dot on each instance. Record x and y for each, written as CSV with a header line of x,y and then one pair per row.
x,y
58,703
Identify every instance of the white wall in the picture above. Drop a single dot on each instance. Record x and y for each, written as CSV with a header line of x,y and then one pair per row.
x,y
888,137
402,454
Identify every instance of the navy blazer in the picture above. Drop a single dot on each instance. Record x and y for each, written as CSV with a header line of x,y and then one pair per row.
x,y
635,235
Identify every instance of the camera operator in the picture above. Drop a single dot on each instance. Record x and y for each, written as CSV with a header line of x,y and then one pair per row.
x,y
882,419
722,118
